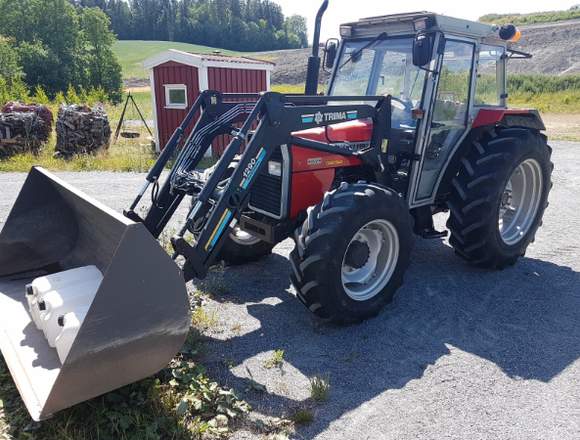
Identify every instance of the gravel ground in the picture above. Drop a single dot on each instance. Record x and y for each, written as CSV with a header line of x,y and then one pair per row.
x,y
461,353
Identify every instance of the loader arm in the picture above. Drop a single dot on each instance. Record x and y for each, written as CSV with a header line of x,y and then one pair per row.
x,y
275,118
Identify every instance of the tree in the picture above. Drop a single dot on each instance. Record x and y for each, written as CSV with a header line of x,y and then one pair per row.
x,y
11,84
220,23
296,26
59,44
103,69
10,68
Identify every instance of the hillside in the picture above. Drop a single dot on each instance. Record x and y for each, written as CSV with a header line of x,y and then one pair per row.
x,y
533,18
555,46
131,54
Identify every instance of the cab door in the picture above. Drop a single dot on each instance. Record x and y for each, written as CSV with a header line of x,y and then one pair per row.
x,y
448,119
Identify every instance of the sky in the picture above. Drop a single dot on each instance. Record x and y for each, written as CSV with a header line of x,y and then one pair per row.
x,y
343,11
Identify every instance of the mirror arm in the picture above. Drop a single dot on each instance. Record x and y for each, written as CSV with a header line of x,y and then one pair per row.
x,y
434,72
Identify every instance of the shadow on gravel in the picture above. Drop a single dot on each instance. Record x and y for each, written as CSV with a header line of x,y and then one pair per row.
x,y
523,319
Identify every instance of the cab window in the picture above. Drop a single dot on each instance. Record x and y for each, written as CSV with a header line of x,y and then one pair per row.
x,y
488,88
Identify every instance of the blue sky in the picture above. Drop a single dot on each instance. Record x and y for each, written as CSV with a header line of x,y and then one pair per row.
x,y
341,11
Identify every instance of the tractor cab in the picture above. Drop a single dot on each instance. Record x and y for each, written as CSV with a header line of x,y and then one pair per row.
x,y
439,72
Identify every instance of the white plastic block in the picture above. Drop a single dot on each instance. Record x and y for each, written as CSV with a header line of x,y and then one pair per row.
x,y
42,285
70,324
59,302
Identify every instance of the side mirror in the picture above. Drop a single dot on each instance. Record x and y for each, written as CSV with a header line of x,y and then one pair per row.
x,y
330,52
423,49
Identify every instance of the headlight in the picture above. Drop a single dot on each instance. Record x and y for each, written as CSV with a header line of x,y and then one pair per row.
x,y
275,168
346,31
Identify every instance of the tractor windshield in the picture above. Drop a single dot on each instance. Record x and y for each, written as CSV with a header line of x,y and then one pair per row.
x,y
384,67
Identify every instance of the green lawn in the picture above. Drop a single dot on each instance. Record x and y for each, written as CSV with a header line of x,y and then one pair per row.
x,y
131,54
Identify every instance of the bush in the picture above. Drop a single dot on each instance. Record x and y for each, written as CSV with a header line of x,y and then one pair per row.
x,y
536,84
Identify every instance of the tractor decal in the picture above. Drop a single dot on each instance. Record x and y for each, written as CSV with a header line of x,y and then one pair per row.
x,y
219,229
320,117
252,168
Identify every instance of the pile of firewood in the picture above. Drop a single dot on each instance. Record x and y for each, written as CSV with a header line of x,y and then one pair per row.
x,y
81,130
42,111
21,133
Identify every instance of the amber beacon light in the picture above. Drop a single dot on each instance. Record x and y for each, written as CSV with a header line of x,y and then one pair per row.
x,y
510,33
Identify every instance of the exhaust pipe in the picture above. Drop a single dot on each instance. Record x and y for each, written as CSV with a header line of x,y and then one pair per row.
x,y
313,72
134,319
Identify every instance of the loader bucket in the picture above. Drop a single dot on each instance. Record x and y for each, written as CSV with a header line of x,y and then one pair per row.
x,y
136,322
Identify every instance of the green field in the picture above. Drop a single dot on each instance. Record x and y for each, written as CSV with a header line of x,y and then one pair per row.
x,y
131,54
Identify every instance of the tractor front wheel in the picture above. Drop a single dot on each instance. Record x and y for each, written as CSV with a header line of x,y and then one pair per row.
x,y
499,197
242,247
352,252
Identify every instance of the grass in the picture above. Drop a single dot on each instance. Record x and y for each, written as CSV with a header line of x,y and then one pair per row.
x,y
126,155
276,360
131,54
319,388
532,18
302,417
137,155
561,102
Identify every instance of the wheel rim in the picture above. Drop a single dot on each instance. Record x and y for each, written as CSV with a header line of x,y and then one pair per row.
x,y
520,202
243,238
365,278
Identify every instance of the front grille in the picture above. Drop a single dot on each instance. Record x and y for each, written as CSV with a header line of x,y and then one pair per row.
x,y
267,190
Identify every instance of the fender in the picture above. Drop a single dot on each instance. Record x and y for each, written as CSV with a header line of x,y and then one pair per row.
x,y
527,118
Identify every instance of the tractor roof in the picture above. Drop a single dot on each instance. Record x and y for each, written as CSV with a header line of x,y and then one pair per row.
x,y
414,21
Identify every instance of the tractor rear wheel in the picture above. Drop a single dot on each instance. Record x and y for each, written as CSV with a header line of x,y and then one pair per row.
x,y
499,197
352,252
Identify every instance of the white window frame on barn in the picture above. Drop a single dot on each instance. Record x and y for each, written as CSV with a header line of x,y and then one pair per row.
x,y
175,106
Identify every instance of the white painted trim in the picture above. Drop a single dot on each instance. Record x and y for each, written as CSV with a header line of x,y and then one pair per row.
x,y
168,88
196,60
155,120
236,65
203,77
268,79
203,84
178,56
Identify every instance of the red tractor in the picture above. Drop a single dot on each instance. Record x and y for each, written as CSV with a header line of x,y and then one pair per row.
x,y
415,123
450,144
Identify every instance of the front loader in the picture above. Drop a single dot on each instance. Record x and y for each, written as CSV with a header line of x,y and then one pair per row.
x,y
415,122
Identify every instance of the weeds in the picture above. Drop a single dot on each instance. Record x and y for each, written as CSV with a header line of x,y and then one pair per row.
x,y
302,416
319,388
202,320
181,402
276,360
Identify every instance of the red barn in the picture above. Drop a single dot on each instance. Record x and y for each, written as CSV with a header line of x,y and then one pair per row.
x,y
177,78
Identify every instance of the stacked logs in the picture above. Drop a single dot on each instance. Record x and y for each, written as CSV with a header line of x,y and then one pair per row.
x,y
23,128
20,133
81,130
42,111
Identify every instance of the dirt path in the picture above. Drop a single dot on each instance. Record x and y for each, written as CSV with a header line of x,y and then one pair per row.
x,y
563,127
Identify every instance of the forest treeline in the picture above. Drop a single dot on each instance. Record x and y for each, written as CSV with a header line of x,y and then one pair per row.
x,y
244,25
